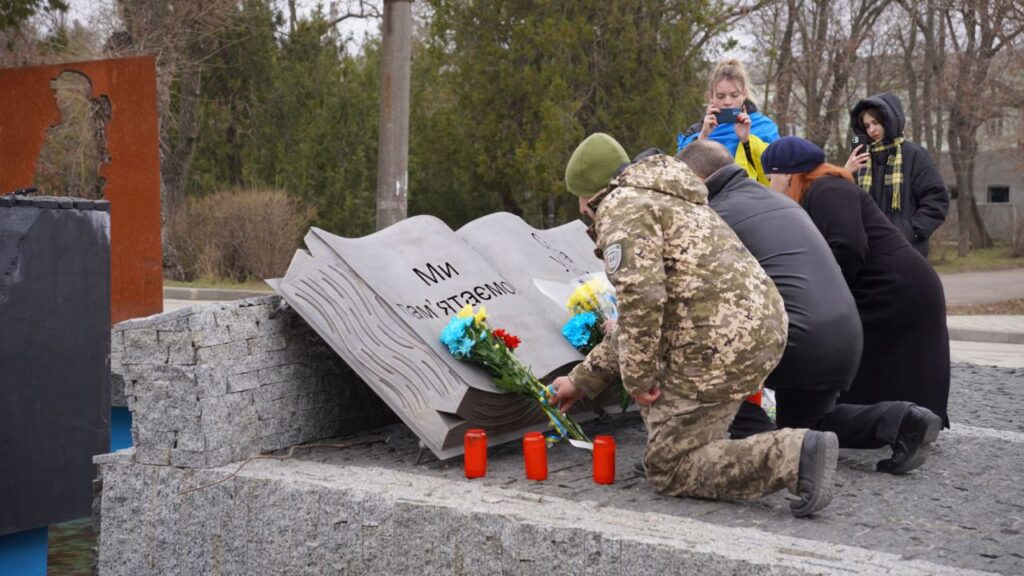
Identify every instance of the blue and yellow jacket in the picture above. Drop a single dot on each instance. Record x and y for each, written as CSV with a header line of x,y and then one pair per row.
x,y
763,132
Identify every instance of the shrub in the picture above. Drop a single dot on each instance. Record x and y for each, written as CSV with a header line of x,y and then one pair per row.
x,y
943,241
237,235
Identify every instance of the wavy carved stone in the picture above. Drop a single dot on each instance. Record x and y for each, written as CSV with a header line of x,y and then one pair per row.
x,y
381,302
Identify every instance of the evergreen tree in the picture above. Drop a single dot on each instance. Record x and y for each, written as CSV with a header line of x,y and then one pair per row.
x,y
517,84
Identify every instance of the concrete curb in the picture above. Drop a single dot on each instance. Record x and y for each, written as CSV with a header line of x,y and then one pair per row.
x,y
994,329
180,293
991,336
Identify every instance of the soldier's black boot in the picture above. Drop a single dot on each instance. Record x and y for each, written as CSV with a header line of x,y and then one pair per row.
x,y
919,428
818,455
638,467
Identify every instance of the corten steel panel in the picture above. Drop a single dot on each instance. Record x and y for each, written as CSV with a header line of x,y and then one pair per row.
x,y
28,108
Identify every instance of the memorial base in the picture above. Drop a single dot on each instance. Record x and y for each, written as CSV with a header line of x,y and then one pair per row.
x,y
386,508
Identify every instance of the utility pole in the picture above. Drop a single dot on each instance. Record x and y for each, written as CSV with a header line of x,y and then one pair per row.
x,y
393,125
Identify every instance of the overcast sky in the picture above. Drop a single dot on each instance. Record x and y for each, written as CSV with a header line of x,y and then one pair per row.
x,y
95,14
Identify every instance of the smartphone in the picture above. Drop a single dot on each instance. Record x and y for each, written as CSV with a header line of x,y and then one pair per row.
x,y
728,115
859,140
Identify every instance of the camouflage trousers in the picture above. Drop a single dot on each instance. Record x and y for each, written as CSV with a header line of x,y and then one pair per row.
x,y
688,453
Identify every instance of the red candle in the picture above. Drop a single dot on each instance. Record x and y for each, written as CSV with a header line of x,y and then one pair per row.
x,y
604,460
535,453
475,457
755,399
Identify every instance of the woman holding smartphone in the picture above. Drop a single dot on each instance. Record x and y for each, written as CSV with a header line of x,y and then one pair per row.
x,y
898,175
733,121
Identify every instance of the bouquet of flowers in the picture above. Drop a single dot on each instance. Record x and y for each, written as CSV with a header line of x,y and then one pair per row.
x,y
592,304
470,339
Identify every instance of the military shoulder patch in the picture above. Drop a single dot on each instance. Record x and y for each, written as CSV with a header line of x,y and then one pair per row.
x,y
612,258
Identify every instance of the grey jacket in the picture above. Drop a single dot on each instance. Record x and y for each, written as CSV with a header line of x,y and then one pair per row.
x,y
825,335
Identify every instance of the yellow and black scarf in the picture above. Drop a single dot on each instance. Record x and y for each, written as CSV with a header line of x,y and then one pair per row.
x,y
893,172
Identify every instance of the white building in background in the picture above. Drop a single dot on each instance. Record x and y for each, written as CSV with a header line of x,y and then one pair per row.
x,y
998,175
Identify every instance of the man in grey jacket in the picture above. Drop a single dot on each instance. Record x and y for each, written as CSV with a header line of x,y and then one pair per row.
x,y
825,337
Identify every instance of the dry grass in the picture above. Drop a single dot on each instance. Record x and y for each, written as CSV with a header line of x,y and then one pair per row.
x,y
237,235
997,257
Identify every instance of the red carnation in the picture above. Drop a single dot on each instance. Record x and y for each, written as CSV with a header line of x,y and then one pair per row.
x,y
511,341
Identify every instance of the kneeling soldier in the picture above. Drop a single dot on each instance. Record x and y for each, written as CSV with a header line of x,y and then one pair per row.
x,y
700,328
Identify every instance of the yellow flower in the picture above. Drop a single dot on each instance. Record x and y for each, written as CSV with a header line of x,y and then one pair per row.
x,y
480,316
466,312
584,298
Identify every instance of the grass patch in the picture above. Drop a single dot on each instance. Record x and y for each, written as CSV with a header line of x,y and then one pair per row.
x,y
1008,307
998,257
257,285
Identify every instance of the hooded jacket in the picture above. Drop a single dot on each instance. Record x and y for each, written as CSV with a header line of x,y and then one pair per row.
x,y
697,314
925,198
825,336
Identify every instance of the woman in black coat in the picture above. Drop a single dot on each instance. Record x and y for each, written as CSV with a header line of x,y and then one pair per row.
x,y
899,297
916,200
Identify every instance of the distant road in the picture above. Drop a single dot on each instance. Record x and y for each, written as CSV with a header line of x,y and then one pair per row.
x,y
983,287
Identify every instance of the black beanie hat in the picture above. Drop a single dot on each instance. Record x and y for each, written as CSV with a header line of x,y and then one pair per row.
x,y
791,155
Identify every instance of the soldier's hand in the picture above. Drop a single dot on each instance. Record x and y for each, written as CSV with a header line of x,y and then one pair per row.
x,y
609,325
647,398
566,393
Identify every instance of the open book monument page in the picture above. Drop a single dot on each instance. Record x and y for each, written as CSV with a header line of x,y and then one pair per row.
x,y
382,301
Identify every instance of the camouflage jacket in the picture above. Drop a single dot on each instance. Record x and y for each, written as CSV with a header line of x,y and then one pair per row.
x,y
697,314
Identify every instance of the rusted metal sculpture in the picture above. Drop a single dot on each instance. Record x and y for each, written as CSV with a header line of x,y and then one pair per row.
x,y
124,89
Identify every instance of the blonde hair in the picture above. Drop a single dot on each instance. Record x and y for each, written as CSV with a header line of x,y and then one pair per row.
x,y
732,70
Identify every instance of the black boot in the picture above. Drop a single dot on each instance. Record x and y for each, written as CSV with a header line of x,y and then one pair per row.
x,y
818,455
638,468
919,428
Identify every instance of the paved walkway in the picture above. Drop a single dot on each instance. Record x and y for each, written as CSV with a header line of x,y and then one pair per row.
x,y
961,512
983,287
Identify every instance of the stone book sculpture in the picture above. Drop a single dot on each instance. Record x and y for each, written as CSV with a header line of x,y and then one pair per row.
x,y
381,302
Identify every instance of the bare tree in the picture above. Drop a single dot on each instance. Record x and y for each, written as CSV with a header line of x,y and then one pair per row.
x,y
934,37
978,31
830,41
772,31
180,35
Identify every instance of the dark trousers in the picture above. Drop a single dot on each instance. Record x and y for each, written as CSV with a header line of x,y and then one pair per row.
x,y
857,426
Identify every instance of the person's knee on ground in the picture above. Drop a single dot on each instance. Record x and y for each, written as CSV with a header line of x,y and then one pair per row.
x,y
919,428
818,456
749,469
750,420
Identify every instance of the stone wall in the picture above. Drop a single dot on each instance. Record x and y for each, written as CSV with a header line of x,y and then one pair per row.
x,y
300,517
1000,220
213,384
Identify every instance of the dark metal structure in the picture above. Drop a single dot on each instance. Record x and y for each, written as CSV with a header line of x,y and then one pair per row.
x,y
54,356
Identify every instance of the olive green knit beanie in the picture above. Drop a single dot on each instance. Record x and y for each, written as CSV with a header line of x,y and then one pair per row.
x,y
593,164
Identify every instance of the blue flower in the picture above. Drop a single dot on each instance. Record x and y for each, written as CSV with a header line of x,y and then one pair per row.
x,y
464,347
454,334
579,329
